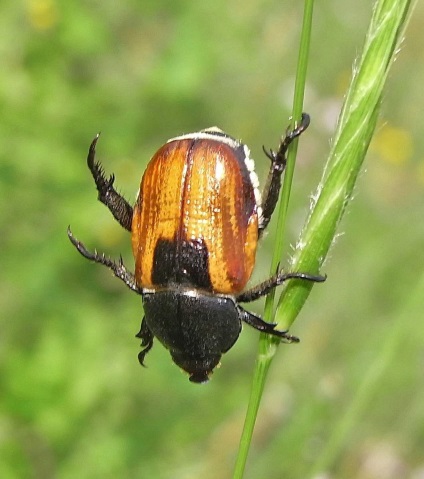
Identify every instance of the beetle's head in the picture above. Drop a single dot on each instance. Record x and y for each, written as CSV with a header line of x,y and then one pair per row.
x,y
198,368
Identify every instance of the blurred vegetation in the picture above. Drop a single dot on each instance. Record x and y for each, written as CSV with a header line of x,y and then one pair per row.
x,y
74,402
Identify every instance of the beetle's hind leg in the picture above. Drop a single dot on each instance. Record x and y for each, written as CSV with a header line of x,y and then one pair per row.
x,y
278,163
117,204
118,269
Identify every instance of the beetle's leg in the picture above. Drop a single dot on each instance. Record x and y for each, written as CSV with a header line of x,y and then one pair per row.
x,y
261,325
118,269
278,164
264,288
146,337
117,204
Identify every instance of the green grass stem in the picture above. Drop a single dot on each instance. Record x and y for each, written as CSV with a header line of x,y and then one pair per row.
x,y
355,129
267,347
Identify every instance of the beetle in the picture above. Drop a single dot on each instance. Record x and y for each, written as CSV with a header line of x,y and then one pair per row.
x,y
195,227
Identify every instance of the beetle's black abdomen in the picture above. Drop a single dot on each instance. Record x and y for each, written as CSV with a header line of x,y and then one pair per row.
x,y
196,328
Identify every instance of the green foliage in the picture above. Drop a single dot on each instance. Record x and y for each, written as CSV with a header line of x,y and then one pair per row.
x,y
74,402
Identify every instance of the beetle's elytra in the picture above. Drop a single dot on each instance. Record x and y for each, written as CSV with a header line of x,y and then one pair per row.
x,y
195,227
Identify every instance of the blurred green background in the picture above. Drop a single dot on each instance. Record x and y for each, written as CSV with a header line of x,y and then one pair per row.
x,y
74,401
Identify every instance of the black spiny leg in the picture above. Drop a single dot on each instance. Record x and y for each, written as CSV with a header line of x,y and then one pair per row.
x,y
261,325
278,164
146,337
118,269
117,204
261,290
264,288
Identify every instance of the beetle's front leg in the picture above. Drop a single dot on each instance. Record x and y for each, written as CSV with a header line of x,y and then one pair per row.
x,y
258,323
146,337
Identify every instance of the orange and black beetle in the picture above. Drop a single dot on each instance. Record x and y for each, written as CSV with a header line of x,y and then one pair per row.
x,y
195,227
